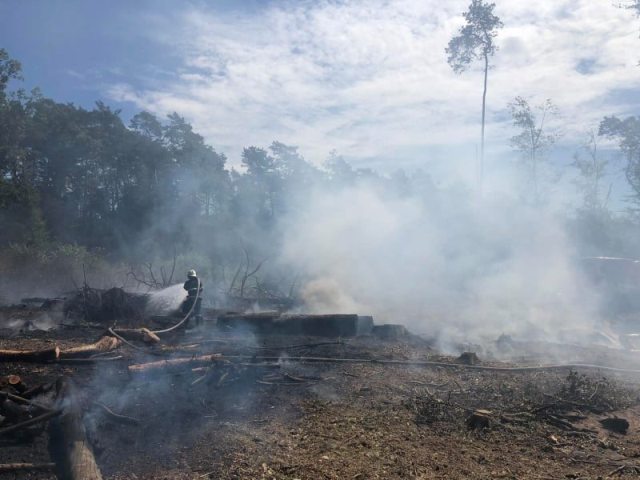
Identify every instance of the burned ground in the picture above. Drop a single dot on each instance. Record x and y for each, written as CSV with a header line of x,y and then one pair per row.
x,y
284,419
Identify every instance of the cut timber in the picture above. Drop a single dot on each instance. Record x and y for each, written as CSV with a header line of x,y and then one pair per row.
x,y
13,381
255,322
141,334
46,355
390,331
105,344
174,365
333,325
76,460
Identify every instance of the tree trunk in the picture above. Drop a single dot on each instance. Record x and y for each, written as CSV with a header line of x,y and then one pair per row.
x,y
105,344
69,440
47,355
534,162
484,103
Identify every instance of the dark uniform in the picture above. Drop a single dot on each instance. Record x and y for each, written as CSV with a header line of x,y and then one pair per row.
x,y
191,286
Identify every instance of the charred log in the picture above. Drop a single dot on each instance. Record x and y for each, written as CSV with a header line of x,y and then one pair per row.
x,y
74,456
334,325
175,365
46,355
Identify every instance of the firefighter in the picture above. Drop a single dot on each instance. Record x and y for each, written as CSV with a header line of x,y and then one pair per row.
x,y
194,289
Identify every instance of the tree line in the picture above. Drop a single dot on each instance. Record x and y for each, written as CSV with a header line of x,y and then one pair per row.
x,y
72,177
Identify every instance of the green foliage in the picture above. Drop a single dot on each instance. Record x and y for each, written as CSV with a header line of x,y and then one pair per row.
x,y
534,139
627,134
475,39
76,181
54,268
9,70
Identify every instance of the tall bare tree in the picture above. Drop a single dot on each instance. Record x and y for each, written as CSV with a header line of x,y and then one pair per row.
x,y
476,41
534,140
592,170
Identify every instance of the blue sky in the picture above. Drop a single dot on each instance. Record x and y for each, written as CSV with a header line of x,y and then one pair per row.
x,y
366,78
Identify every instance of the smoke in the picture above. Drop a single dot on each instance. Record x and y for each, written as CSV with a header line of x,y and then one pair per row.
x,y
446,263
38,321
166,300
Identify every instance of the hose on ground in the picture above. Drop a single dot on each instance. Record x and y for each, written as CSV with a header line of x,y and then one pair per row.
x,y
419,363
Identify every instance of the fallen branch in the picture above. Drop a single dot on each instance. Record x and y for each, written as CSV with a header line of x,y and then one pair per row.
x,y
289,384
173,365
90,360
139,334
24,401
622,468
126,342
18,467
33,421
117,416
573,403
14,412
37,390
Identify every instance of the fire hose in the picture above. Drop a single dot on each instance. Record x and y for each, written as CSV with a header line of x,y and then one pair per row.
x,y
426,363
186,317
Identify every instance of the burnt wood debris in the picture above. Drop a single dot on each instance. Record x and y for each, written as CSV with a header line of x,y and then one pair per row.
x,y
264,350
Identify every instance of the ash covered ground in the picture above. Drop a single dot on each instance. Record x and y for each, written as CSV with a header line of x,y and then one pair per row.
x,y
268,408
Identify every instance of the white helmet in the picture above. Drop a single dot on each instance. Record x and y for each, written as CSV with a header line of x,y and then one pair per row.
x,y
191,273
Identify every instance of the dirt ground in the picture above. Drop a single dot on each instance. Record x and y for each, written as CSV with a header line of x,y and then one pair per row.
x,y
306,420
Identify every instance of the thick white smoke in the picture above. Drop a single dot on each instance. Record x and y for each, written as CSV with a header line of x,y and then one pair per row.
x,y
448,265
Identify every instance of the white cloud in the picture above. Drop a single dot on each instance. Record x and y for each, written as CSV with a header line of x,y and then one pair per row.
x,y
370,79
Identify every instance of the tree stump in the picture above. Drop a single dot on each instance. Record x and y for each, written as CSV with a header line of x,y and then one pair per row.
x,y
468,358
479,420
